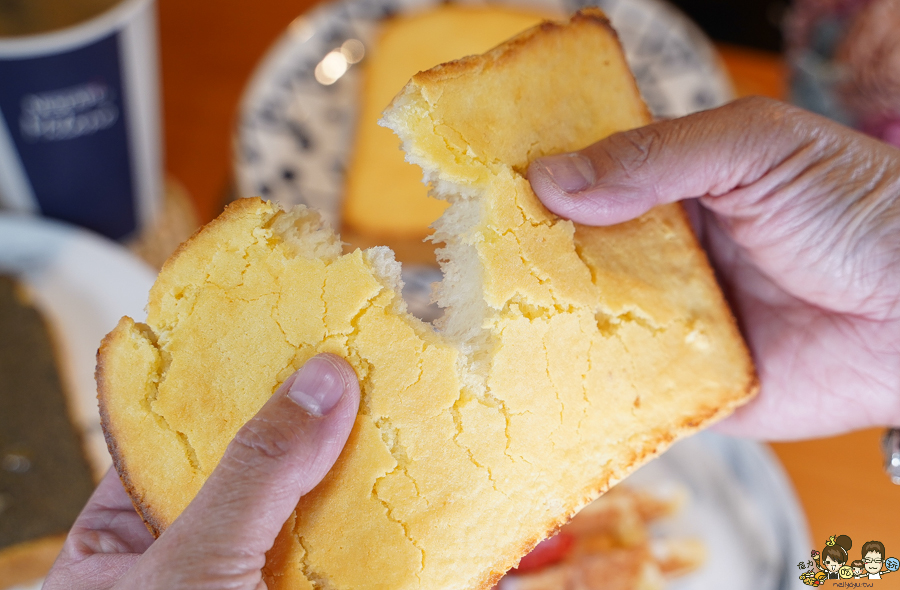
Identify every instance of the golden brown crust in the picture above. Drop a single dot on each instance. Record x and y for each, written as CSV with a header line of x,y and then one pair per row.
x,y
153,523
231,212
507,50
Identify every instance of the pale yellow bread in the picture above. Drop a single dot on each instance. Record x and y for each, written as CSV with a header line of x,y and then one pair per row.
x,y
567,357
385,195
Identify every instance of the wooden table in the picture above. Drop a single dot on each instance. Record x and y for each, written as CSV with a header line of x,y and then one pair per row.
x,y
209,50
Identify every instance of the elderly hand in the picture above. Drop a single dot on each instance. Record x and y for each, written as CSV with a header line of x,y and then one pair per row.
x,y
801,220
221,539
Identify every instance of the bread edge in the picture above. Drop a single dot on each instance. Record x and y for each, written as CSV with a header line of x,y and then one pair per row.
x,y
154,522
590,15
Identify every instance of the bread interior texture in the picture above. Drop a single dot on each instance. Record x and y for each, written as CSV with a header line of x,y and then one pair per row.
x,y
567,356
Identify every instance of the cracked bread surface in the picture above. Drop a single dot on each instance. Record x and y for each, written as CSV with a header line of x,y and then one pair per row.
x,y
568,355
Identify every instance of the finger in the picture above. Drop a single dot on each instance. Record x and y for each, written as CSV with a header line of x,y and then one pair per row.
x,y
709,153
278,456
96,572
109,522
105,541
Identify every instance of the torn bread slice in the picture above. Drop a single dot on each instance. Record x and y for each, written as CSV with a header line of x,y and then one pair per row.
x,y
567,357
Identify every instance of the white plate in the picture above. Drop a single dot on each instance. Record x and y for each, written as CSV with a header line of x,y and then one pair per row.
x,y
740,503
83,284
294,135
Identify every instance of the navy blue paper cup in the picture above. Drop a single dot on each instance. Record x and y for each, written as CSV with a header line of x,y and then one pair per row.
x,y
80,125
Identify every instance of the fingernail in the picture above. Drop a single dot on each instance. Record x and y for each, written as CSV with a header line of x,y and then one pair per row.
x,y
570,172
318,386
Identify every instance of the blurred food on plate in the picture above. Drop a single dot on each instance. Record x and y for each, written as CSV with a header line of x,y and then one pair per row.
x,y
45,477
610,545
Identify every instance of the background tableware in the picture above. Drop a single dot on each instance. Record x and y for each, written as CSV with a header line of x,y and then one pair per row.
x,y
294,133
83,284
79,131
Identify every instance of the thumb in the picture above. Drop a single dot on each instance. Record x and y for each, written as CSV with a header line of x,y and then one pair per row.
x,y
275,458
708,153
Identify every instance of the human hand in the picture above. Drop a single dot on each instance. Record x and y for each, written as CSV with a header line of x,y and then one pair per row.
x,y
221,538
801,219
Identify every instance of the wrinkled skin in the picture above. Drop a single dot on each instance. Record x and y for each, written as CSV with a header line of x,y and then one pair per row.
x,y
801,220
220,540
